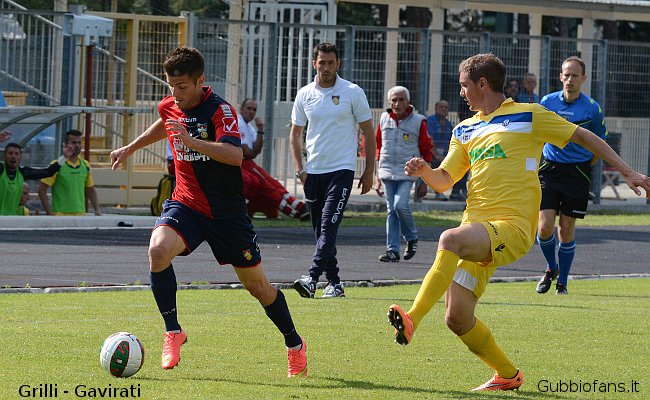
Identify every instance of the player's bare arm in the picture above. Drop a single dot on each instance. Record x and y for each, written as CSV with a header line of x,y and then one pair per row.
x,y
295,141
367,178
596,145
154,133
249,153
222,152
438,179
259,142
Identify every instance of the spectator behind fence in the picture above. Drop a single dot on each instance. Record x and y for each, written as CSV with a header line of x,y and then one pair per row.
x,y
512,88
565,175
71,185
501,144
440,132
262,191
527,91
333,107
401,135
5,136
13,176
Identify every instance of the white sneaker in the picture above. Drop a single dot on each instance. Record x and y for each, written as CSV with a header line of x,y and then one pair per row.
x,y
333,290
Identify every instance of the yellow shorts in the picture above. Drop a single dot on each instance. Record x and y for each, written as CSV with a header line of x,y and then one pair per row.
x,y
509,242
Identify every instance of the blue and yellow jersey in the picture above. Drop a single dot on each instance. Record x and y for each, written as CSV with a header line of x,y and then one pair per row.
x,y
502,151
583,111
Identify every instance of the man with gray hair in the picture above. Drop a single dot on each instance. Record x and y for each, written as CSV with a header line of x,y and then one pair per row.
x,y
401,135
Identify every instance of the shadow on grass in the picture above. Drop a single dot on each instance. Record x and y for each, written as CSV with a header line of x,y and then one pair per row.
x,y
543,305
393,300
615,296
457,394
363,385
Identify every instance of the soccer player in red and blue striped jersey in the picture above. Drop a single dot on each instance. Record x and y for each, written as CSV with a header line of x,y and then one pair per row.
x,y
207,203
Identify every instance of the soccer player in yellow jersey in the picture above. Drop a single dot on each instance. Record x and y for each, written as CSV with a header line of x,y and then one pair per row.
x,y
501,146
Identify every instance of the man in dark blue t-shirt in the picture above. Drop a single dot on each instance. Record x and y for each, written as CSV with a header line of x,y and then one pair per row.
x,y
565,175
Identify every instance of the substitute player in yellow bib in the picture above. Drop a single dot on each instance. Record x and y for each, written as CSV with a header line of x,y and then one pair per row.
x,y
501,146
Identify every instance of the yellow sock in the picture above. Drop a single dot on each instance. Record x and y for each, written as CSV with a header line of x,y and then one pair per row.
x,y
480,341
435,284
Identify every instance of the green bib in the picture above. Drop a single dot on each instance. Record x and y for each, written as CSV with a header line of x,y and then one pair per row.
x,y
10,191
69,189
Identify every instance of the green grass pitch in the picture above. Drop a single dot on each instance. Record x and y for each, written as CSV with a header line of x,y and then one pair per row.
x,y
598,332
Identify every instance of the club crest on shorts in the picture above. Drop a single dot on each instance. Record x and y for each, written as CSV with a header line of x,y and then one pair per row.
x,y
247,254
335,100
203,130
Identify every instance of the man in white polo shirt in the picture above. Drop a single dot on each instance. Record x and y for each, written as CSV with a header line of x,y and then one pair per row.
x,y
333,107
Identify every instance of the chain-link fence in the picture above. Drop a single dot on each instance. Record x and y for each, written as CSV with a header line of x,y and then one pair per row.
x,y
271,61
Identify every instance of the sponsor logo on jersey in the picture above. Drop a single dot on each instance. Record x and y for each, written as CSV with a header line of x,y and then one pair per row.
x,y
186,120
203,130
500,247
485,153
229,124
335,100
191,155
227,111
178,144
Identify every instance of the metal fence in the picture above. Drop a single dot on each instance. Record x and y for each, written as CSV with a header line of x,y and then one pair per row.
x,y
271,61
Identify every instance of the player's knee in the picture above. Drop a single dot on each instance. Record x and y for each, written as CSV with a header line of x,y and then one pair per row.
x,y
457,323
261,290
449,240
544,232
159,257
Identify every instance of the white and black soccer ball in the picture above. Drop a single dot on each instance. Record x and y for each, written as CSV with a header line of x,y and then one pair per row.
x,y
122,354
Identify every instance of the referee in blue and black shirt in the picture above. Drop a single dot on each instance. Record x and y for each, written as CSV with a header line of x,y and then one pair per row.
x,y
565,175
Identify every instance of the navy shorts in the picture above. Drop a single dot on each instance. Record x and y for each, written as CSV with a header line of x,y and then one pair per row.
x,y
565,187
231,238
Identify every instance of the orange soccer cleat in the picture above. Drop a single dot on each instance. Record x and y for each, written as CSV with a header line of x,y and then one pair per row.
x,y
298,361
171,354
403,324
499,383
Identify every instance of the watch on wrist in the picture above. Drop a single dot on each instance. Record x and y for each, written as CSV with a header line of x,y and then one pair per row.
x,y
299,173
260,132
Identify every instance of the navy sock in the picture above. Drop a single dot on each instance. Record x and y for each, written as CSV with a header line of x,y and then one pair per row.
x,y
548,250
163,286
565,258
278,312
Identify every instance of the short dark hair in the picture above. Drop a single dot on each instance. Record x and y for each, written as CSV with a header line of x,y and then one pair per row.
x,y
326,47
246,100
579,61
13,144
487,66
184,61
72,132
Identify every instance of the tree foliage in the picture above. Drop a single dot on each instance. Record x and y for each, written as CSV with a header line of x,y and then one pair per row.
x,y
361,14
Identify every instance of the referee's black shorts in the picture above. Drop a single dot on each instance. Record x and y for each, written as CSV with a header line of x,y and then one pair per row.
x,y
565,187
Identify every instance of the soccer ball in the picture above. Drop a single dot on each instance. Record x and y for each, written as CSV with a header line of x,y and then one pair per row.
x,y
122,354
